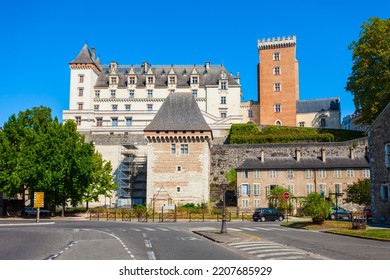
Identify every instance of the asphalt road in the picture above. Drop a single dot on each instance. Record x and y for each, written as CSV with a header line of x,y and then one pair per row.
x,y
117,240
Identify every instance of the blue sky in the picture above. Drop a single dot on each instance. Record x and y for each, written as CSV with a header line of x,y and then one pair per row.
x,y
40,38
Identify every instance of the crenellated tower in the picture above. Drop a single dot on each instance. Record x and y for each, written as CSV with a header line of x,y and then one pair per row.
x,y
278,84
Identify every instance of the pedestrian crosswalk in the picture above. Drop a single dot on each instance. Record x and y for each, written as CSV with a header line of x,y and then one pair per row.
x,y
272,251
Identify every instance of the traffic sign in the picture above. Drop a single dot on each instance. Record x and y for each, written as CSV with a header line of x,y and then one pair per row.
x,y
39,200
286,195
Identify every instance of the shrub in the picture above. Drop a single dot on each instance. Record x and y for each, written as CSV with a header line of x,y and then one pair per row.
x,y
316,207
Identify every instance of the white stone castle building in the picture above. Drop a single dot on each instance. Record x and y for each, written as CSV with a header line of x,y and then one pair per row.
x,y
113,104
122,99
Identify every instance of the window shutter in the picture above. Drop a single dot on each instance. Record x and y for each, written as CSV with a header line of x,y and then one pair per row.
x,y
382,192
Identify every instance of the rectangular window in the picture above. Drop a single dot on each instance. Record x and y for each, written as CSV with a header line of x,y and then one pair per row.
x,y
78,120
81,91
150,80
99,121
322,173
184,149
223,99
244,174
366,173
387,155
113,80
245,203
223,115
97,93
131,93
302,124
337,188
290,174
290,188
172,80
309,188
276,56
322,188
350,173
277,87
244,189
277,70
223,85
80,106
81,78
384,193
178,168
337,173
131,80
173,149
256,189
128,107
150,93
277,108
272,174
256,174
96,107
250,113
112,93
115,107
150,107
114,121
129,121
256,203
308,173
195,93
194,80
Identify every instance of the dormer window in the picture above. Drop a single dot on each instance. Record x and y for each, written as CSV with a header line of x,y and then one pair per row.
x,y
114,80
172,80
223,85
131,80
150,80
194,80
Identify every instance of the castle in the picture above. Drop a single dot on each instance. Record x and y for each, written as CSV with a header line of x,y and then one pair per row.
x,y
134,114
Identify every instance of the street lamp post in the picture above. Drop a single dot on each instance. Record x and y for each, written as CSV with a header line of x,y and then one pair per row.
x,y
223,227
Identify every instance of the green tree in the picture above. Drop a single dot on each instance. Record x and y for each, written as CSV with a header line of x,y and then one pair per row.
x,y
231,178
40,154
369,80
315,206
359,192
276,200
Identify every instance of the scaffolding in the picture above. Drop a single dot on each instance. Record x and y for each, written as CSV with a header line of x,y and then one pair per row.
x,y
131,177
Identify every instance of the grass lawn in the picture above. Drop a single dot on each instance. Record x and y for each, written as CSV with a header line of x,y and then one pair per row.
x,y
343,227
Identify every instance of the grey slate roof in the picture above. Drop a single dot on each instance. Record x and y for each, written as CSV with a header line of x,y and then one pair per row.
x,y
317,105
84,57
179,112
304,163
183,74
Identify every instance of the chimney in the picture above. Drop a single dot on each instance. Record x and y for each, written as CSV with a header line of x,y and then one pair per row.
x,y
351,153
323,154
207,65
262,155
93,53
298,154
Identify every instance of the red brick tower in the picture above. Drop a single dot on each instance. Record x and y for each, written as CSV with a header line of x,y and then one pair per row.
x,y
278,84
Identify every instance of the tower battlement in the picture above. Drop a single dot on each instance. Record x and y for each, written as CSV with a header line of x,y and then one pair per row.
x,y
275,43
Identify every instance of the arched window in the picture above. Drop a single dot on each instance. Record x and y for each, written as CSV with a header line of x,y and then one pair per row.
x,y
323,122
278,122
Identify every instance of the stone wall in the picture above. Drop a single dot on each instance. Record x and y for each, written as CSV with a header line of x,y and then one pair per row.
x,y
226,157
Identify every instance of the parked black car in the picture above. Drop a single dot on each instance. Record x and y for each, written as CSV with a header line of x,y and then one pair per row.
x,y
338,212
267,214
